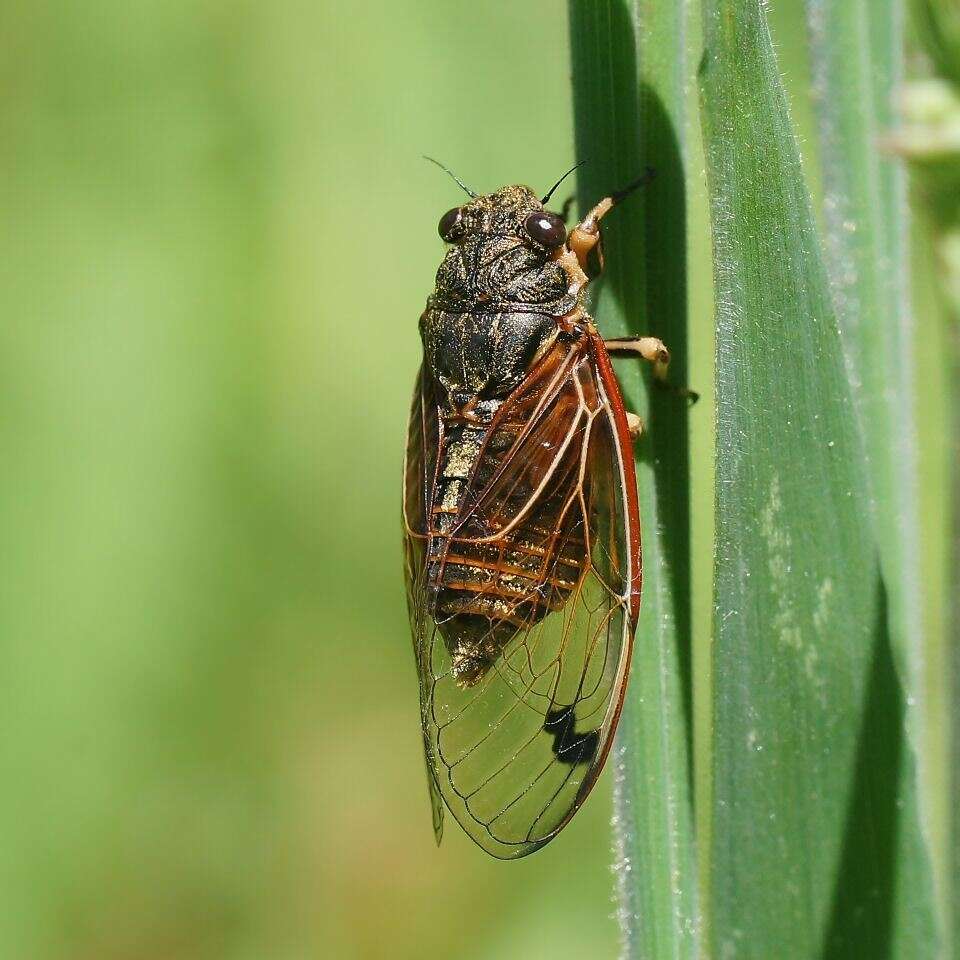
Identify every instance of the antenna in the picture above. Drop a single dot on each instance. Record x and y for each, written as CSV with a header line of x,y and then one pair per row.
x,y
564,177
447,170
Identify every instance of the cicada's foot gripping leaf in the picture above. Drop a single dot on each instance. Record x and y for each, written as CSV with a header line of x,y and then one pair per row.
x,y
655,353
634,425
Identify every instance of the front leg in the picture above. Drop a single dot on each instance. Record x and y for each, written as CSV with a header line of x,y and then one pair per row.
x,y
586,234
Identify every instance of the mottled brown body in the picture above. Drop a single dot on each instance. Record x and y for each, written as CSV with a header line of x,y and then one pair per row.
x,y
491,575
494,311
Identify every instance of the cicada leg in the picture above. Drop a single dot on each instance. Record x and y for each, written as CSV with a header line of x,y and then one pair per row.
x,y
653,350
634,425
586,234
582,240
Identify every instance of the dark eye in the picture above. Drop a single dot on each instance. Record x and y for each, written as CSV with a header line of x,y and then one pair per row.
x,y
546,228
449,226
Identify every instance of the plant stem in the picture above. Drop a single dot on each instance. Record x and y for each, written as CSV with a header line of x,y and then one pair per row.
x,y
628,84
815,847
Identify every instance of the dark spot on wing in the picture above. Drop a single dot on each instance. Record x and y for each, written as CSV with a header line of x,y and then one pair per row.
x,y
568,745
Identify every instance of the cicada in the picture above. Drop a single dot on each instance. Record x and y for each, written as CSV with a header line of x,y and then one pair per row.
x,y
522,530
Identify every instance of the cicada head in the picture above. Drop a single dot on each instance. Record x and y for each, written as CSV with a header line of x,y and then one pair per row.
x,y
503,248
514,211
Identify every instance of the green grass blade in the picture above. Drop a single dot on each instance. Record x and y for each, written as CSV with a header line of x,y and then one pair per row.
x,y
815,848
628,82
938,23
953,663
857,53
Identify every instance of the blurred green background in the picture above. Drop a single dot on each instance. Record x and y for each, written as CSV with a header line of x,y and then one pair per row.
x,y
217,238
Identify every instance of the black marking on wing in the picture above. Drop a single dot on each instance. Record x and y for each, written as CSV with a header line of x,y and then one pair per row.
x,y
568,745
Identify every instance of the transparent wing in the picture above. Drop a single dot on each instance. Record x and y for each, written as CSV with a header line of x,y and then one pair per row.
x,y
545,554
419,470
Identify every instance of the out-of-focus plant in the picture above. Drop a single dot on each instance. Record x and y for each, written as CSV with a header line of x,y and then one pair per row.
x,y
928,137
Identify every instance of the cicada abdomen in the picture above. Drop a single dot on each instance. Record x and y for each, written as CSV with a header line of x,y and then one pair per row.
x,y
501,561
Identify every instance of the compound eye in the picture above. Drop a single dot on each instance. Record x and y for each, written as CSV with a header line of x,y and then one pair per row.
x,y
450,225
546,228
